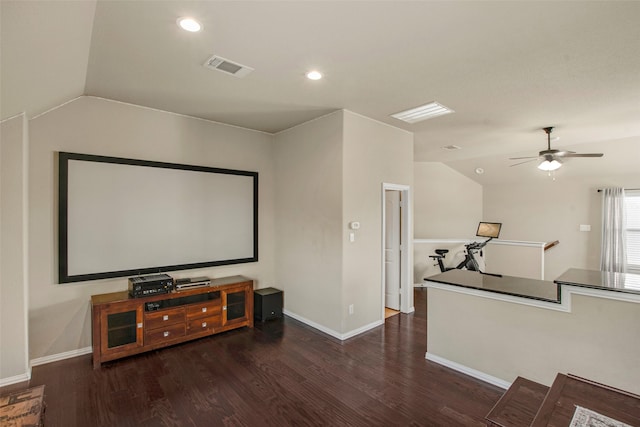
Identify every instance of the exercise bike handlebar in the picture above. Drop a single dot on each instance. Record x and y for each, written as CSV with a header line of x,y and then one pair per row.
x,y
477,245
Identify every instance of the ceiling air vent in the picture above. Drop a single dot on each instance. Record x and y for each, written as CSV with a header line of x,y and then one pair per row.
x,y
423,112
228,67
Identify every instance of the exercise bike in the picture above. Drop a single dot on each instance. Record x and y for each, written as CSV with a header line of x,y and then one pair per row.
x,y
485,229
468,263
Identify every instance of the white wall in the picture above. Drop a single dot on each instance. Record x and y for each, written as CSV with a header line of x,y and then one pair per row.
x,y
447,205
14,364
308,164
374,153
517,260
549,210
59,315
598,339
330,172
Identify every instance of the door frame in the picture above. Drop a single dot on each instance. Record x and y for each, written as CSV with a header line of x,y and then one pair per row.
x,y
406,247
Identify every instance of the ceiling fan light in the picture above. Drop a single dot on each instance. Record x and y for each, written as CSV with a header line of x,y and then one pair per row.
x,y
547,165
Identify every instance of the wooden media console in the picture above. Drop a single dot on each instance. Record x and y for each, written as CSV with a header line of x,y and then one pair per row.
x,y
123,326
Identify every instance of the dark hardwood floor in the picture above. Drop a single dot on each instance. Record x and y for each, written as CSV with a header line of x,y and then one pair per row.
x,y
281,373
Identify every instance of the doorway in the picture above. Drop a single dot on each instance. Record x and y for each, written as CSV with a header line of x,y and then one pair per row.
x,y
396,289
392,244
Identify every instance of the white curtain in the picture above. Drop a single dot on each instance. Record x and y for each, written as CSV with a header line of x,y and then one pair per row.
x,y
613,257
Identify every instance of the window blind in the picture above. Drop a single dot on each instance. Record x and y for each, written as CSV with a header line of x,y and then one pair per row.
x,y
632,211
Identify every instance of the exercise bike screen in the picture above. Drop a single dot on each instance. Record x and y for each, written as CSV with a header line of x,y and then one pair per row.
x,y
489,229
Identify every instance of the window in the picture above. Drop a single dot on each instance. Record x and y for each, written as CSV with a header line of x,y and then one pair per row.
x,y
632,212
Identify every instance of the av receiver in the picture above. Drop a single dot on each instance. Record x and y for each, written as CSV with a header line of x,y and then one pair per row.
x,y
143,286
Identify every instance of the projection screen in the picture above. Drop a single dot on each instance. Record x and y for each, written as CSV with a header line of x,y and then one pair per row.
x,y
123,217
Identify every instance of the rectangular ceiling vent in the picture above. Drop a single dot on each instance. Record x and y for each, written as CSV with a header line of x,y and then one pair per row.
x,y
228,67
423,112
451,147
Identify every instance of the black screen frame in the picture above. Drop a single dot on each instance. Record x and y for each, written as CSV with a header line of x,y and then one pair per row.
x,y
63,226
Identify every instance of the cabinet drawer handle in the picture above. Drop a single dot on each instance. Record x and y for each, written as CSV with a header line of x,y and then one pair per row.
x,y
224,307
139,325
204,309
166,334
204,324
165,317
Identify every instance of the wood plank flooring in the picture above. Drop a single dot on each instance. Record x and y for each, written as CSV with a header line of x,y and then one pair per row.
x,y
388,312
281,373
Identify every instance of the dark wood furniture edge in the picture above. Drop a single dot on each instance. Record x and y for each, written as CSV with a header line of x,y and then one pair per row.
x,y
96,338
603,386
493,416
556,392
546,409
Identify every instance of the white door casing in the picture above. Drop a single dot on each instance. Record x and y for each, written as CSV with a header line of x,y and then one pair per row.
x,y
392,240
406,248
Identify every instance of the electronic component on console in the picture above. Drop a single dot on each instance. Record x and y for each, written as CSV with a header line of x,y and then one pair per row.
x,y
192,282
143,286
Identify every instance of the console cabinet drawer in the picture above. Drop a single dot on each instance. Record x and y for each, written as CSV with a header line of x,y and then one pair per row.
x,y
195,326
204,309
164,334
162,318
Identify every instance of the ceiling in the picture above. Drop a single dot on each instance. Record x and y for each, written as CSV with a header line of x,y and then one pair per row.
x,y
507,68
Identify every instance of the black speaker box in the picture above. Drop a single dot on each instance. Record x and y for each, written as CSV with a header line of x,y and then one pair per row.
x,y
267,304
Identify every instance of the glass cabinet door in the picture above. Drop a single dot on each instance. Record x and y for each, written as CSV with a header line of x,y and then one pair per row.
x,y
234,307
121,329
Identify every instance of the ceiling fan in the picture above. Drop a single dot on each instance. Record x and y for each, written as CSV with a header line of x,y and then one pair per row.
x,y
551,160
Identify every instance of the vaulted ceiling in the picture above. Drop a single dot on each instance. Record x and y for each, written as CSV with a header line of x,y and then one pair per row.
x,y
506,68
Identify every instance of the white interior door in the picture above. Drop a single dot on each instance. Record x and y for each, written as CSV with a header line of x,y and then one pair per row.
x,y
392,248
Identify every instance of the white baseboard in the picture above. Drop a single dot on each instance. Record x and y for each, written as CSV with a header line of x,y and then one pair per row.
x,y
15,379
362,329
313,324
468,371
60,356
331,332
44,360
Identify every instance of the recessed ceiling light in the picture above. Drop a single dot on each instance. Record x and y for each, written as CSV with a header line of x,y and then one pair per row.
x,y
189,24
314,75
423,112
479,171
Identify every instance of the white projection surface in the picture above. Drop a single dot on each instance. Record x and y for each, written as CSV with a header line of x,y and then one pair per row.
x,y
128,218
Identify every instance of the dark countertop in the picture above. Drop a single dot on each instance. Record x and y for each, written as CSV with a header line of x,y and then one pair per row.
x,y
603,280
541,290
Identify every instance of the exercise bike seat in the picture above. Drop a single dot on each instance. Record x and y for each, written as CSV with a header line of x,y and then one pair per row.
x,y
441,252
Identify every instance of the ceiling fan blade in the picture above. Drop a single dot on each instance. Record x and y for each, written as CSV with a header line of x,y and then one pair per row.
x,y
583,155
526,161
564,153
521,158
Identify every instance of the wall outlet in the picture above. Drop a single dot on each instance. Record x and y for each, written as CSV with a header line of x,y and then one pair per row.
x,y
585,227
350,308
